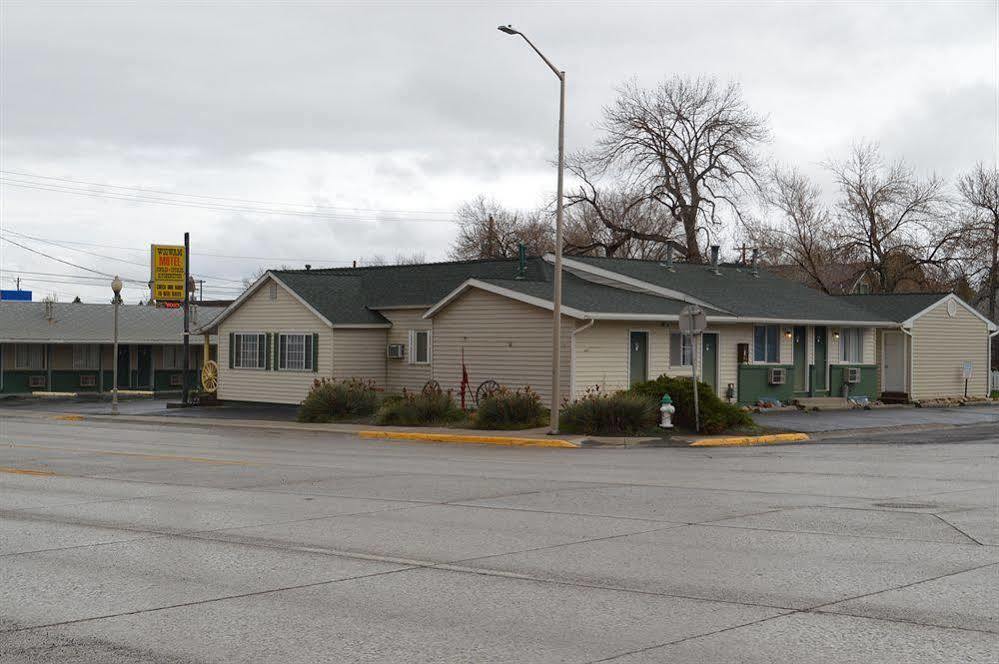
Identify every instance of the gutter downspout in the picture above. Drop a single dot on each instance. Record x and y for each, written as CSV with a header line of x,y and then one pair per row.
x,y
988,365
572,356
909,374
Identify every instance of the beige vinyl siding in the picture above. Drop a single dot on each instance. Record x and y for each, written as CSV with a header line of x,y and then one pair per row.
x,y
941,346
602,358
360,353
261,314
400,373
504,340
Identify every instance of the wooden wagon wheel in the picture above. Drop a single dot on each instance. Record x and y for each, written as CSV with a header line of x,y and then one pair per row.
x,y
210,376
431,387
486,389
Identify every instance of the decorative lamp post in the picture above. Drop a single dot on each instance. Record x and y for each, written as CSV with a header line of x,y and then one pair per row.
x,y
116,288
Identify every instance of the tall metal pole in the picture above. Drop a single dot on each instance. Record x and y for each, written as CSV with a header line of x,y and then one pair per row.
x,y
557,298
557,281
187,314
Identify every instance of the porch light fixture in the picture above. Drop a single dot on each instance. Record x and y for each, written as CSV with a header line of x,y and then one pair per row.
x,y
836,335
787,333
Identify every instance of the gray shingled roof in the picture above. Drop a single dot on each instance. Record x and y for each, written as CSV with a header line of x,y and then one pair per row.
x,y
738,291
352,296
896,307
596,298
94,323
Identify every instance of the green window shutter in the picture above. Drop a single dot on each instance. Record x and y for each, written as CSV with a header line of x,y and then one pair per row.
x,y
267,351
232,349
277,351
315,352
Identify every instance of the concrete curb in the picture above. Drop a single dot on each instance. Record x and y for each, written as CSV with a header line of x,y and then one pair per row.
x,y
467,438
745,441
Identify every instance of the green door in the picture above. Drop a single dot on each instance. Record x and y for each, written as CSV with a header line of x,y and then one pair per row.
x,y
821,353
144,358
800,360
639,357
709,359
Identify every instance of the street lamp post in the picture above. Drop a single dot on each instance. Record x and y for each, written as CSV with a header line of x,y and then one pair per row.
x,y
557,286
116,288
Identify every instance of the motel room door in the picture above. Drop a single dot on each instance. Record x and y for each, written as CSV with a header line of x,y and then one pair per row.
x,y
894,368
638,357
800,359
709,359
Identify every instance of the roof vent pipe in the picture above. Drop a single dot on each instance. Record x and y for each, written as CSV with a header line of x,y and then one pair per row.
x,y
307,267
669,257
714,258
755,267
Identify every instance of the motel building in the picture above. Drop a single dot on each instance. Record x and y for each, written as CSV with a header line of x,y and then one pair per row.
x,y
68,348
767,338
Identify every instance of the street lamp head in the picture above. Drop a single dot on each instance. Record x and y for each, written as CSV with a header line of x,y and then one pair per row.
x,y
508,29
116,285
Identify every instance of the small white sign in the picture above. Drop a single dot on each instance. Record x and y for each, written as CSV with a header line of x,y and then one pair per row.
x,y
966,371
692,320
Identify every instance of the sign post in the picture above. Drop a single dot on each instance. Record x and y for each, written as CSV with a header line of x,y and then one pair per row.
x,y
692,323
187,316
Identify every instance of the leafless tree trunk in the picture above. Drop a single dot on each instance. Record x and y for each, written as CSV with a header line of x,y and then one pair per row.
x,y
895,219
488,230
614,221
979,199
690,143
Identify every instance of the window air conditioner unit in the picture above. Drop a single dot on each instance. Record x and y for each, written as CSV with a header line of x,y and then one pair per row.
x,y
177,380
778,376
396,351
36,382
88,380
851,374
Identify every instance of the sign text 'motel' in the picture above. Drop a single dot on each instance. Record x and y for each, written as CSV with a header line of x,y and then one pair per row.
x,y
167,267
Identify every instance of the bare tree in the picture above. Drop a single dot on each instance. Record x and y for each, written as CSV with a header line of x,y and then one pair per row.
x,y
415,258
259,272
979,201
804,236
691,143
488,230
895,220
613,220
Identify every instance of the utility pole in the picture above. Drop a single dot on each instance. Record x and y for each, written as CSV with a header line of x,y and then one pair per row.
x,y
187,315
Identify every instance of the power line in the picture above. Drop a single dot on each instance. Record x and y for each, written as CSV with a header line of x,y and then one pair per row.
x,y
223,208
219,198
58,260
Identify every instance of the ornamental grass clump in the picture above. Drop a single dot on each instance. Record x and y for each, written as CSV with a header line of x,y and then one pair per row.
x,y
620,413
329,400
511,409
429,408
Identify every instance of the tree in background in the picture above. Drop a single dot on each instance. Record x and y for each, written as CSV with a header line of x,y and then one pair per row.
x,y
978,200
804,234
488,230
612,220
691,144
894,221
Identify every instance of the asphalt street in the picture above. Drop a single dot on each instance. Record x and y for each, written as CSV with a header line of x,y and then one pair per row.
x,y
123,542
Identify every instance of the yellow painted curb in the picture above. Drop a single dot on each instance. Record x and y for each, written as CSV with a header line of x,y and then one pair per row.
x,y
467,438
69,418
750,440
26,471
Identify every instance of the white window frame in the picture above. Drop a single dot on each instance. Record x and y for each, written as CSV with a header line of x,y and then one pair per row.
x,y
686,344
765,360
237,340
413,352
307,351
26,364
86,356
858,334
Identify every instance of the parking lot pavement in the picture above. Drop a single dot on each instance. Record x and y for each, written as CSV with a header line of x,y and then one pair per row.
x,y
124,542
833,420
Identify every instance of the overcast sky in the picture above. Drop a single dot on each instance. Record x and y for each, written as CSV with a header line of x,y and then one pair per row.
x,y
352,111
